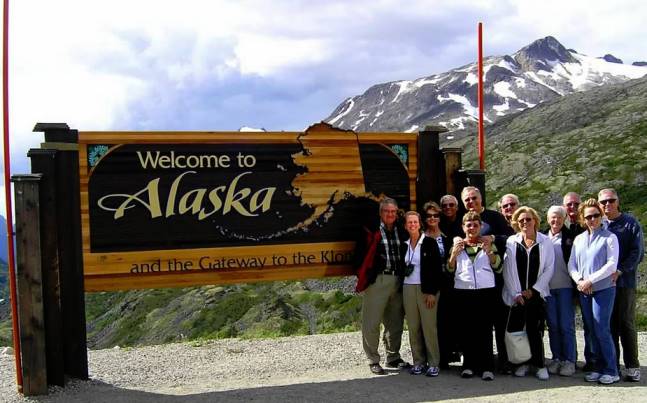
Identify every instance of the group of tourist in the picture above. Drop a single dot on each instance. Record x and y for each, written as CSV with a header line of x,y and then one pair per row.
x,y
456,277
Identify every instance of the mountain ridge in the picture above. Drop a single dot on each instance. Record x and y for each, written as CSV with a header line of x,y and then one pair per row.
x,y
538,72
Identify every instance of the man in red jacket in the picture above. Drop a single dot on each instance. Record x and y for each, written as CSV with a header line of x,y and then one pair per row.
x,y
378,260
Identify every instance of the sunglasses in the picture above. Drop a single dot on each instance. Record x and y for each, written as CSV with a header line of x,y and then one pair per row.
x,y
607,201
433,215
447,205
592,216
524,220
509,205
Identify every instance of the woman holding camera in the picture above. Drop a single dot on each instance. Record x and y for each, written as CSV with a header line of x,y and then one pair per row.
x,y
474,264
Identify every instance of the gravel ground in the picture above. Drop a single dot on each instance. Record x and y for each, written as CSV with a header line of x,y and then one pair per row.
x,y
309,368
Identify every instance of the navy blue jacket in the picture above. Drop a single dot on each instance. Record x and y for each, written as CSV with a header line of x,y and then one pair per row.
x,y
632,248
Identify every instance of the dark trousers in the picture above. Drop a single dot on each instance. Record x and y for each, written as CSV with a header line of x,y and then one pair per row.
x,y
500,321
533,315
623,327
447,329
476,309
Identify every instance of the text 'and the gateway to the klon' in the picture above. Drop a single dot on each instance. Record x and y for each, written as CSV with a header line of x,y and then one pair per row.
x,y
242,262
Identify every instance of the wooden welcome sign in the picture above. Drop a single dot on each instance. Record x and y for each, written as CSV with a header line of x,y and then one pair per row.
x,y
175,209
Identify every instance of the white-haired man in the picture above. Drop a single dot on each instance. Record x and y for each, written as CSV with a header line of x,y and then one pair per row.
x,y
508,204
378,260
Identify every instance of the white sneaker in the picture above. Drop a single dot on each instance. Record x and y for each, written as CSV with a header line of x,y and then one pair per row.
x,y
542,374
567,368
609,379
592,376
553,366
521,371
632,374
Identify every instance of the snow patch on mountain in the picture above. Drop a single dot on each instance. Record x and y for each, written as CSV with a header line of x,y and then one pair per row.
x,y
471,79
503,88
500,109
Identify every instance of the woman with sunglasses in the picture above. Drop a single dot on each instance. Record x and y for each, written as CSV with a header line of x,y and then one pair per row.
x,y
474,264
447,334
593,261
527,269
423,265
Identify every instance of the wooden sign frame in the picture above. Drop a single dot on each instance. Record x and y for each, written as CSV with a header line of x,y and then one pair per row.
x,y
114,269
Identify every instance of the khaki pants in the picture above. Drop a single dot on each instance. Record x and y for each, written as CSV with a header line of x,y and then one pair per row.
x,y
382,303
423,334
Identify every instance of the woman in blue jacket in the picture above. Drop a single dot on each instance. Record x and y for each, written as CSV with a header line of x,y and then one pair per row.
x,y
593,260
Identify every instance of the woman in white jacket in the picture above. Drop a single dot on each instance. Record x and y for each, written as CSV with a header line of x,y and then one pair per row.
x,y
527,269
474,264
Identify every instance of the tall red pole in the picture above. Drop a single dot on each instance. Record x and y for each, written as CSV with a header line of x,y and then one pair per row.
x,y
7,189
481,142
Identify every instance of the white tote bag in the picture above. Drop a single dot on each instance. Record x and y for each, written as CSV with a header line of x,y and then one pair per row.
x,y
517,344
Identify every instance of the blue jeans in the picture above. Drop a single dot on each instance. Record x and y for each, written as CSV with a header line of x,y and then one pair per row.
x,y
596,313
560,316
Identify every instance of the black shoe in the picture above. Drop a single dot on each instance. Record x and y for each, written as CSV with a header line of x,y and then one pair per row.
x,y
589,367
376,369
398,364
505,368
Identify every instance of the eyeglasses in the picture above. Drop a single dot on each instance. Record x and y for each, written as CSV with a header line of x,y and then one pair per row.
x,y
433,215
607,201
473,198
572,204
447,205
592,216
508,205
524,220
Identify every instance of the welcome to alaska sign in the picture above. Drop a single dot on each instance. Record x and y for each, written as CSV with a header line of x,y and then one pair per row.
x,y
175,209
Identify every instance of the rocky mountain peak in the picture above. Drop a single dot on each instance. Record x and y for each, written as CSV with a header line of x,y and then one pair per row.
x,y
611,58
536,56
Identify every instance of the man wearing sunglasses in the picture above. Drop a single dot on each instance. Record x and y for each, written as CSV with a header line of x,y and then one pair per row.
x,y
450,219
508,205
623,318
571,202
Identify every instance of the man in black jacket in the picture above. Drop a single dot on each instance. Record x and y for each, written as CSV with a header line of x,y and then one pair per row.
x,y
380,271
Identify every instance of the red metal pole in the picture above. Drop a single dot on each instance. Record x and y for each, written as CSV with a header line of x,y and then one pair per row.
x,y
481,141
7,188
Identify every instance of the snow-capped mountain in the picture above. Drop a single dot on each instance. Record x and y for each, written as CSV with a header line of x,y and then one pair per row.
x,y
541,71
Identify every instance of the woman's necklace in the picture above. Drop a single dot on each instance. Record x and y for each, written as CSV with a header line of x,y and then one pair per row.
x,y
529,242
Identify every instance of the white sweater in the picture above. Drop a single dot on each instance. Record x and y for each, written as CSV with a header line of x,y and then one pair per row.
x,y
512,286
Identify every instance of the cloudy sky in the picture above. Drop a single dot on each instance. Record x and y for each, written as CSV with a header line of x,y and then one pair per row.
x,y
280,65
